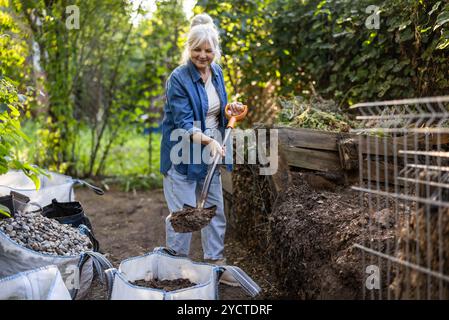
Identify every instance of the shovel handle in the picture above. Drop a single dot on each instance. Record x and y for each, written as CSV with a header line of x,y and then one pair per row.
x,y
234,119
231,123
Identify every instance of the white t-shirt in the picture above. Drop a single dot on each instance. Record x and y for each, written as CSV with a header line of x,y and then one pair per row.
x,y
214,105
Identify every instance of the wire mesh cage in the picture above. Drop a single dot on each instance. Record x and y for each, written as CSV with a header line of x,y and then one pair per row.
x,y
403,187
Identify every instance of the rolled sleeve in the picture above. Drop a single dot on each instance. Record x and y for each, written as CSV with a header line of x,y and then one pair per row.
x,y
193,130
180,106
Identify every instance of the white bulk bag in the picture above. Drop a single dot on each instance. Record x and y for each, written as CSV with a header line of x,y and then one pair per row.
x,y
76,271
37,284
162,264
55,186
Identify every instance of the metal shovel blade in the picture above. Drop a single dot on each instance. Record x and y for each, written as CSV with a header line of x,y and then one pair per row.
x,y
191,219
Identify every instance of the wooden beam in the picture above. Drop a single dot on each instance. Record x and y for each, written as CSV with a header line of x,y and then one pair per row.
x,y
311,159
323,140
391,146
308,138
282,179
380,172
381,146
226,180
436,139
329,161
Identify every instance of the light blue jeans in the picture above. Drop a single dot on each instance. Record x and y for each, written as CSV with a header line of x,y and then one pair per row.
x,y
179,191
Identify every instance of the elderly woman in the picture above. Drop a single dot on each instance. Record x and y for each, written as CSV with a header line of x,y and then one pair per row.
x,y
195,102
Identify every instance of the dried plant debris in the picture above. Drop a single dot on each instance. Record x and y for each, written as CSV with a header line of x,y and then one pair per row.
x,y
44,235
314,113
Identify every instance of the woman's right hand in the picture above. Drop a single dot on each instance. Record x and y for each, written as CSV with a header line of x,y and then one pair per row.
x,y
215,147
235,108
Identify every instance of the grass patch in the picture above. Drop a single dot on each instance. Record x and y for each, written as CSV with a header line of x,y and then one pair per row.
x,y
127,163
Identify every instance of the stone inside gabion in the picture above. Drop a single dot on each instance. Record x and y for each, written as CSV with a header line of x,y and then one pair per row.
x,y
39,233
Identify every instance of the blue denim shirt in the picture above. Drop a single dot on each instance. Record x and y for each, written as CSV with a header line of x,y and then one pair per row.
x,y
186,102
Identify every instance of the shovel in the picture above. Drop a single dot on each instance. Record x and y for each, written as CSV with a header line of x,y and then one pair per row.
x,y
10,205
191,219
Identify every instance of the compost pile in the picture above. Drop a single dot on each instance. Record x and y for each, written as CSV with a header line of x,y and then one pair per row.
x,y
309,234
253,194
39,233
166,285
422,241
313,233
422,246
314,113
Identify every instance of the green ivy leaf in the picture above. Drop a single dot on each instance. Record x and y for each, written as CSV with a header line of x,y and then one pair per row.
x,y
443,44
5,211
434,8
442,19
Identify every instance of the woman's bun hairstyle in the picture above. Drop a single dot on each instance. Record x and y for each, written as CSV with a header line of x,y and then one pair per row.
x,y
202,18
202,28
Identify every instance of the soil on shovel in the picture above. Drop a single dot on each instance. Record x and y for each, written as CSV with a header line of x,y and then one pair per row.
x,y
192,219
166,285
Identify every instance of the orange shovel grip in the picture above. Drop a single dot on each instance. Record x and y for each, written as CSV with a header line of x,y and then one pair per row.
x,y
233,119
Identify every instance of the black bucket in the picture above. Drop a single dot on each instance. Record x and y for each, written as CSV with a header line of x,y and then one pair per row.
x,y
71,213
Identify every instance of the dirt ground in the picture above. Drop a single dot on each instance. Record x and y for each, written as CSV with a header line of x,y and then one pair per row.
x,y
132,224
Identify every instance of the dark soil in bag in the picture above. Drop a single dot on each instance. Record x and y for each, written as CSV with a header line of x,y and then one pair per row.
x,y
166,285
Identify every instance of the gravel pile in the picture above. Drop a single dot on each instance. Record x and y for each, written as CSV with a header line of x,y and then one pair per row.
x,y
39,233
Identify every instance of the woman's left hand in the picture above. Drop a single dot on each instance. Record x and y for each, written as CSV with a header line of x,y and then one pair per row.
x,y
235,108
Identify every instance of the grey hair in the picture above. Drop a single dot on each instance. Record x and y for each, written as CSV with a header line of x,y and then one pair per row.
x,y
202,29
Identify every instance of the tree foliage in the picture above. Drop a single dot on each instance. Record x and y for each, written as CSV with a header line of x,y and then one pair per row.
x,y
88,89
328,45
99,78
13,53
250,67
348,61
